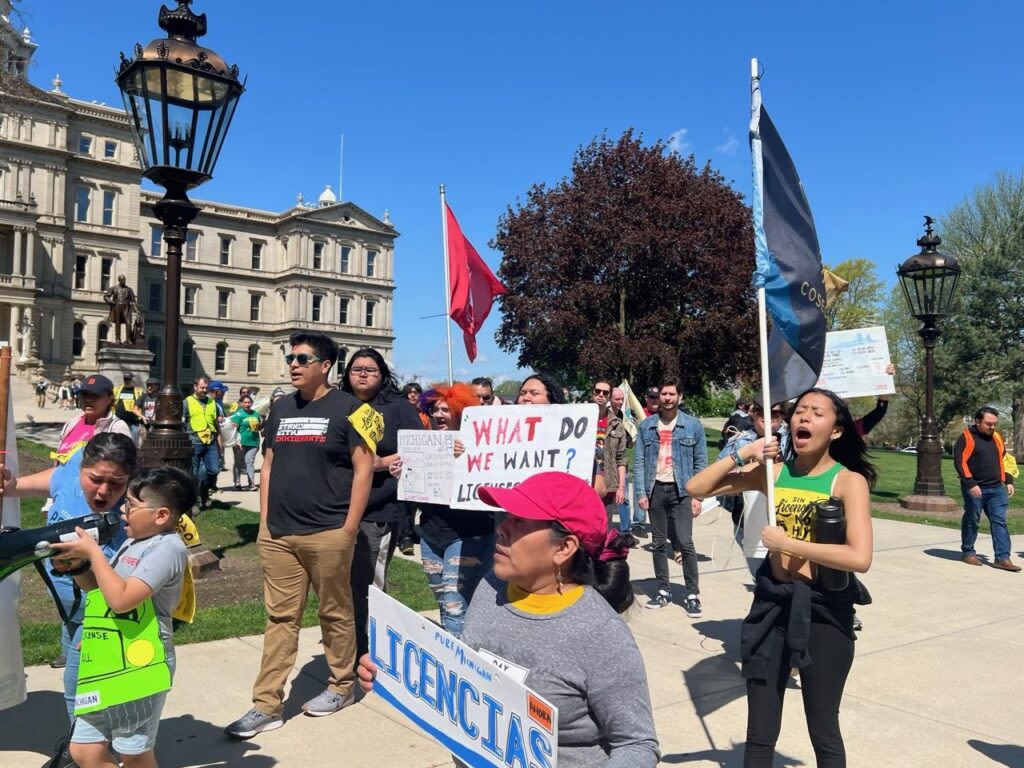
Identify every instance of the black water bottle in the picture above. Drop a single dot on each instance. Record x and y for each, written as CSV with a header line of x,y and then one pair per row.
x,y
830,528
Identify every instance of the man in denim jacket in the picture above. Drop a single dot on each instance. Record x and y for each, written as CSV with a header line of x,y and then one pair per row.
x,y
670,449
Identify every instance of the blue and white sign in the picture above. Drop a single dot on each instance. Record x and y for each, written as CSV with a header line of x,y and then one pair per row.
x,y
855,363
472,704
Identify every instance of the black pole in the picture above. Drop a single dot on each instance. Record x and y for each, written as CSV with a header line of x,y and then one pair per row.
x,y
929,448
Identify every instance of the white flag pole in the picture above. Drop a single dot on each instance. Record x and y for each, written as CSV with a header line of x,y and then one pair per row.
x,y
762,309
447,285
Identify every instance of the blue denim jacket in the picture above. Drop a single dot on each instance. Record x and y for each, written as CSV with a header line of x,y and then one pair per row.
x,y
689,453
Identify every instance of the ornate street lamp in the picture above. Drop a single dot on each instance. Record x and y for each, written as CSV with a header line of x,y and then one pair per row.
x,y
180,98
929,281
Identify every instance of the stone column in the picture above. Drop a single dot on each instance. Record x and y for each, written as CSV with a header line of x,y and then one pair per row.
x,y
16,256
30,254
33,333
59,328
12,332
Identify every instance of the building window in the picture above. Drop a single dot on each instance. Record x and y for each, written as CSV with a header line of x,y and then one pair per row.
x,y
318,303
154,346
85,144
191,251
191,292
81,260
255,300
318,256
78,338
156,294
220,357
108,207
225,251
81,203
253,360
106,269
257,255
104,331
156,239
370,306
346,254
223,307
371,263
110,149
188,354
343,311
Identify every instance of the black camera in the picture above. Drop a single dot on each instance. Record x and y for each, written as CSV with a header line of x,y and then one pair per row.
x,y
19,548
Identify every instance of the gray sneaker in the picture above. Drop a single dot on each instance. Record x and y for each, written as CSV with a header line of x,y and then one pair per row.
x,y
327,703
253,722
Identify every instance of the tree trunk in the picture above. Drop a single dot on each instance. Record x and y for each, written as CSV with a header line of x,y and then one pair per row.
x,y
622,311
1018,423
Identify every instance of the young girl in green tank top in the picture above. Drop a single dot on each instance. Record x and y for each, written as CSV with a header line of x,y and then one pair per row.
x,y
792,622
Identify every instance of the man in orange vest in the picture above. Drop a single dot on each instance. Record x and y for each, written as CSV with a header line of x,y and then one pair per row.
x,y
978,458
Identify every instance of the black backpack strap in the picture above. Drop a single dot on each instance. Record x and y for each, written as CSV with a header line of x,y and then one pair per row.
x,y
77,601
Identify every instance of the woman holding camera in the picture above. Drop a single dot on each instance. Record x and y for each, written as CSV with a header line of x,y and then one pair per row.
x,y
794,621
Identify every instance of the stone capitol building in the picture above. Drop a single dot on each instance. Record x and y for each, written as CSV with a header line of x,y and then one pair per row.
x,y
73,218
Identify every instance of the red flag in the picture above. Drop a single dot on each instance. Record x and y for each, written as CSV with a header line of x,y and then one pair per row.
x,y
473,285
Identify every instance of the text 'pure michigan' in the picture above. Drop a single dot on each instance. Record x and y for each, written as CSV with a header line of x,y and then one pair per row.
x,y
458,693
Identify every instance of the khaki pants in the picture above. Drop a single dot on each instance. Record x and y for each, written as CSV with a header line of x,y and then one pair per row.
x,y
290,565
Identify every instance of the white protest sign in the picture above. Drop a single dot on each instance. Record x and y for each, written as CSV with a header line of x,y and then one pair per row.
x,y
509,443
855,363
428,462
463,700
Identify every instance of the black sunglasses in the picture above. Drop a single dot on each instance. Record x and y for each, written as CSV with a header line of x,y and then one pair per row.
x,y
302,358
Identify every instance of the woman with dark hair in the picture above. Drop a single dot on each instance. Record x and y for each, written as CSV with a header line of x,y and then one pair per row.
x,y
796,619
551,606
94,481
387,521
540,389
456,545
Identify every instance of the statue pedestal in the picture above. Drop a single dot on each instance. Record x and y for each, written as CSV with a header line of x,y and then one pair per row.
x,y
933,504
114,362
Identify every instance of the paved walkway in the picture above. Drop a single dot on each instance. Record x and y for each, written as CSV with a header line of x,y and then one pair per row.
x,y
934,683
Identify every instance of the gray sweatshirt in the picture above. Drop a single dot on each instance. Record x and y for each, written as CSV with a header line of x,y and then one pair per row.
x,y
584,661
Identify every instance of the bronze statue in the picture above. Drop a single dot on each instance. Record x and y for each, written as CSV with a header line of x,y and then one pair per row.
x,y
124,309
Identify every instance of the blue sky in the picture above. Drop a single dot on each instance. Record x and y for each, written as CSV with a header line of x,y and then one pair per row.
x,y
890,110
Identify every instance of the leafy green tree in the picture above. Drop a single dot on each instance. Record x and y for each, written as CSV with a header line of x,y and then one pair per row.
x,y
862,303
638,264
984,352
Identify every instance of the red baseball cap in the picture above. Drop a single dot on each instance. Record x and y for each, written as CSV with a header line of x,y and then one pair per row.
x,y
560,497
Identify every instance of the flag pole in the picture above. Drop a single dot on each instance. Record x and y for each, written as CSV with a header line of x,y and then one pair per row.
x,y
447,284
762,308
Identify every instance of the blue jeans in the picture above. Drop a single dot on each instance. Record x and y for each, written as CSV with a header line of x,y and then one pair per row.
x,y
454,573
71,646
994,501
245,457
205,465
639,516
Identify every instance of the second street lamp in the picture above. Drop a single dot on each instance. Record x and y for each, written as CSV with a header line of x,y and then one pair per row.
x,y
929,279
180,98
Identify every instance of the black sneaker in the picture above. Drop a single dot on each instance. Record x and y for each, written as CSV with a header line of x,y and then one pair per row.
x,y
406,547
639,532
660,600
692,607
630,541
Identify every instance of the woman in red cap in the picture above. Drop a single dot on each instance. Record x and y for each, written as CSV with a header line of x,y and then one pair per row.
x,y
456,544
551,608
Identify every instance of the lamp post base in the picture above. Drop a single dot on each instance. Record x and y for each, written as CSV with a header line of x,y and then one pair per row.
x,y
919,503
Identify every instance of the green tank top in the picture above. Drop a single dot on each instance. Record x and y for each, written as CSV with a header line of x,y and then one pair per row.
x,y
795,496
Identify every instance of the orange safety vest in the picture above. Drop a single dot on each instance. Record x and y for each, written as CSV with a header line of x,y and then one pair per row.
x,y
969,449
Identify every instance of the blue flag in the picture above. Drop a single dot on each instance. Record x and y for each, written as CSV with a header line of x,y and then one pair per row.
x,y
788,262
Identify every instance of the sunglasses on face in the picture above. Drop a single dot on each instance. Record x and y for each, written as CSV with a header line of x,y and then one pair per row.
x,y
487,398
302,359
604,392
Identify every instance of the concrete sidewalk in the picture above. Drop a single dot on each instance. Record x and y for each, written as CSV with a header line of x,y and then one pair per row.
x,y
934,681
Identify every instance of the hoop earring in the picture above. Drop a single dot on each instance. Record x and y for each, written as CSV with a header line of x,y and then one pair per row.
x,y
558,580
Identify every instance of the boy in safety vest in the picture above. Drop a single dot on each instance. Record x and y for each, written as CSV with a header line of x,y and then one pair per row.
x,y
127,645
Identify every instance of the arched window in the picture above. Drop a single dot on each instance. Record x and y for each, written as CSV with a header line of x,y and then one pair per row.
x,y
220,357
104,331
253,360
188,354
78,338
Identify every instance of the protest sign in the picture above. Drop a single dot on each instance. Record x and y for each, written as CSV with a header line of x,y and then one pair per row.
x,y
428,463
509,443
473,705
855,363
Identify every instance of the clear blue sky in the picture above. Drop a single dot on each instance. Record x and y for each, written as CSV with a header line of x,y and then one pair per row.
x,y
890,110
